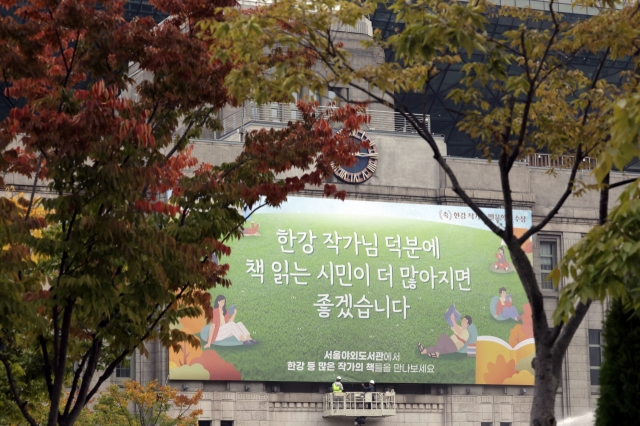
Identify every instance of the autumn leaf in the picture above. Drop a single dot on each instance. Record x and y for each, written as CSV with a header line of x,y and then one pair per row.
x,y
499,371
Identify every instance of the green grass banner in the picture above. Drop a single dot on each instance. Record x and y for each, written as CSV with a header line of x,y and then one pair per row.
x,y
398,293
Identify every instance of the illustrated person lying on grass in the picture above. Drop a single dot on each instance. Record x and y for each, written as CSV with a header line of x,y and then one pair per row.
x,y
222,324
505,306
449,344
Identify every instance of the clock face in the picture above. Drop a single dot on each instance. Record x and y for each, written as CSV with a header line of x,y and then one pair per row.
x,y
365,166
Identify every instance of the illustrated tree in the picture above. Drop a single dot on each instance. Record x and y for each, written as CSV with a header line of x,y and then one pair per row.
x,y
543,104
112,263
153,405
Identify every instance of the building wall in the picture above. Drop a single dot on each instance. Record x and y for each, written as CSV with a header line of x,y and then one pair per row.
x,y
406,173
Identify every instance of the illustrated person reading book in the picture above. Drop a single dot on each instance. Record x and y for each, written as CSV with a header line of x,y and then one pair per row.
x,y
501,263
222,324
504,306
449,344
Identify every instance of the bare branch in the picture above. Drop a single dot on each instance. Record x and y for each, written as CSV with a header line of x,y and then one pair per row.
x,y
622,183
423,132
421,129
563,339
569,189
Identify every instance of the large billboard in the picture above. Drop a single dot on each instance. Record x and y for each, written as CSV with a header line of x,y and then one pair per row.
x,y
397,293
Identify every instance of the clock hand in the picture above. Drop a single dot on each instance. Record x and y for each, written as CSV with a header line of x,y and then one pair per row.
x,y
360,154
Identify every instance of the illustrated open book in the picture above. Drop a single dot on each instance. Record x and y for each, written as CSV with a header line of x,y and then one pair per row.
x,y
231,309
456,315
495,357
498,346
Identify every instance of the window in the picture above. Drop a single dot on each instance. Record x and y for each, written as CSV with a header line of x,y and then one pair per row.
x,y
338,94
293,112
275,113
226,422
548,261
123,370
486,424
595,355
204,422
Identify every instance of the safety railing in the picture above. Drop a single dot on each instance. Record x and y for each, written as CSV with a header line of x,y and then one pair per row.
x,y
558,162
283,113
359,404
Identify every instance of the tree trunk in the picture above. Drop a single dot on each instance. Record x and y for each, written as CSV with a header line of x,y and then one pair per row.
x,y
547,363
547,378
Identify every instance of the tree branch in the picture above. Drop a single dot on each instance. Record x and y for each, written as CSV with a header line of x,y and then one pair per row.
x,y
47,365
569,189
182,138
56,327
563,339
426,136
22,405
622,183
82,398
243,221
73,56
60,367
6,85
531,93
76,377
109,370
503,164
33,189
66,66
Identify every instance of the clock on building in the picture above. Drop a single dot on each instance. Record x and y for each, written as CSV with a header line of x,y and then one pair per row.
x,y
365,166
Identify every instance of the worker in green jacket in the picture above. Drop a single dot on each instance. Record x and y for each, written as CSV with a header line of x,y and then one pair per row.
x,y
337,385
337,392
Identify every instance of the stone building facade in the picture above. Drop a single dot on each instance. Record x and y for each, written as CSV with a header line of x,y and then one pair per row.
x,y
407,173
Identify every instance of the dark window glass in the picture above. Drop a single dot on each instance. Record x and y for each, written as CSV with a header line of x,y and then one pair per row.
x,y
123,370
548,261
595,355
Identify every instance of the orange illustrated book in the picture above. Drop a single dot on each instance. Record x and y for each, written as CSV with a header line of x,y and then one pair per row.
x,y
499,363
